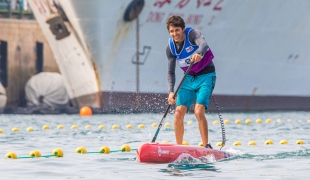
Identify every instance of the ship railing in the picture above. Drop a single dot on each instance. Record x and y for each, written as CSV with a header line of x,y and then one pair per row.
x,y
15,9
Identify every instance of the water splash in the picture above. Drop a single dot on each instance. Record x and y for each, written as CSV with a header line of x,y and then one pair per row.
x,y
235,151
186,163
185,158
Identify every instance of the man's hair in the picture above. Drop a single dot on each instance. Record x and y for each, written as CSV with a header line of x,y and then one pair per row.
x,y
175,21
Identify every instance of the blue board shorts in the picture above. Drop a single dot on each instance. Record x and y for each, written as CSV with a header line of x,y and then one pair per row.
x,y
196,87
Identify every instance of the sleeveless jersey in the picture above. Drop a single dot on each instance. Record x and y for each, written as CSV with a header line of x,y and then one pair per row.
x,y
184,57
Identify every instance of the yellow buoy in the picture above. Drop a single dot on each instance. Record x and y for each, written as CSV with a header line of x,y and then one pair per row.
x,y
45,127
81,150
88,127
104,150
140,126
29,129
189,122
226,121
185,143
300,142
200,144
167,124
154,125
238,121
248,121
129,126
279,120
237,143
101,127
15,129
259,121
165,142
216,122
283,141
268,142
1,131
35,153
57,152
115,127
125,148
252,143
308,121
74,127
11,155
86,111
60,126
219,144
268,120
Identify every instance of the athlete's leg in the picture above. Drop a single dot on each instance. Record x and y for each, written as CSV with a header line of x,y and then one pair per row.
x,y
179,123
206,85
202,122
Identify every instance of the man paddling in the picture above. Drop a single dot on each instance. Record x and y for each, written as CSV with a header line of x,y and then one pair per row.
x,y
187,45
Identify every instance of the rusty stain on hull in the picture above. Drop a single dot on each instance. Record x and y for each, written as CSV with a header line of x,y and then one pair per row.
x,y
122,32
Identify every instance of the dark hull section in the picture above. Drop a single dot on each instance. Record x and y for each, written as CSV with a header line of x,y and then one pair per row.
x,y
116,102
157,103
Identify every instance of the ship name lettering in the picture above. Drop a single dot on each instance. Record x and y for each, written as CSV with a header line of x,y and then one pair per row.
x,y
194,19
155,16
161,3
183,3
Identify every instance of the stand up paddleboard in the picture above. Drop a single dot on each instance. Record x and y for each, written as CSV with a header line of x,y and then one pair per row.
x,y
167,153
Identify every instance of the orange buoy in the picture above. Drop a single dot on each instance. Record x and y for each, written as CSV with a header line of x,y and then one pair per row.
x,y
86,111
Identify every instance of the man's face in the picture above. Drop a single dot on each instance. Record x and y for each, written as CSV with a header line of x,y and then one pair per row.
x,y
177,33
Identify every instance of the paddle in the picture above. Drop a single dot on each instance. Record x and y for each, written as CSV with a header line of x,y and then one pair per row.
x,y
162,120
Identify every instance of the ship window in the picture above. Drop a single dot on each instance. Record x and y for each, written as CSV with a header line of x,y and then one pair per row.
x,y
4,63
39,57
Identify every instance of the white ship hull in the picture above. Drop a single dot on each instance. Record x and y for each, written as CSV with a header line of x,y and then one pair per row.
x,y
260,48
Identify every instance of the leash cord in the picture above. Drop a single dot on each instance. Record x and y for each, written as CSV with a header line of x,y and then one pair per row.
x,y
221,120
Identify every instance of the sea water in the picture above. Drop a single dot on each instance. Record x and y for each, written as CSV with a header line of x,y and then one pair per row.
x,y
276,161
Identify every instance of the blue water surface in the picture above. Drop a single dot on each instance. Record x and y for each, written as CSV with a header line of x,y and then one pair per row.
x,y
277,161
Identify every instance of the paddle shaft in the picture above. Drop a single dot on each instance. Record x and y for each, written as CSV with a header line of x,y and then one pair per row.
x,y
167,110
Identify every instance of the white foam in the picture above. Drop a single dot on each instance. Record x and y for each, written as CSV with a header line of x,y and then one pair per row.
x,y
185,158
234,151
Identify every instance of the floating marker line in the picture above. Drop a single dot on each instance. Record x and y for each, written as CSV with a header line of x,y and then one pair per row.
x,y
110,151
44,156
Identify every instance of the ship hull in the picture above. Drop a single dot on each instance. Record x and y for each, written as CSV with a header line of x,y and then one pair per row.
x,y
124,102
260,52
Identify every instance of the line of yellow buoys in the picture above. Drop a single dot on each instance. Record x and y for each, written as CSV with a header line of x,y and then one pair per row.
x,y
167,124
100,127
258,121
267,142
59,153
124,148
251,143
